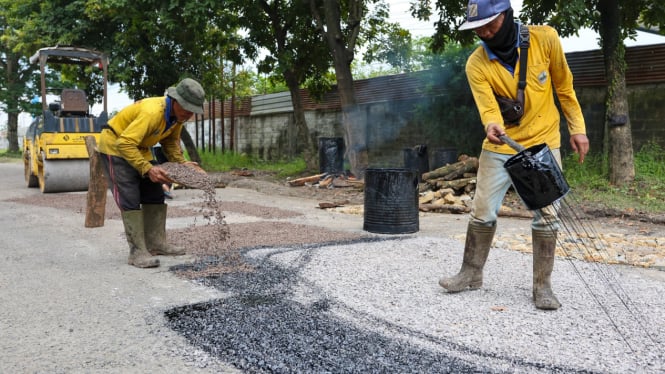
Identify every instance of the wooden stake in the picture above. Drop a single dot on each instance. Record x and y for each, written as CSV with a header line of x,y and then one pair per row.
x,y
96,205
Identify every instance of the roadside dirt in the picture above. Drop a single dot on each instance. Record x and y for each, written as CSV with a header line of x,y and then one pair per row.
x,y
637,235
268,183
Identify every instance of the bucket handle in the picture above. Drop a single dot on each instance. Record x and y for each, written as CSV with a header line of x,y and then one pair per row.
x,y
513,144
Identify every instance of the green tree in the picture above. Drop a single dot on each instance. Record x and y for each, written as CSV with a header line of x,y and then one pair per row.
x,y
614,20
151,44
18,81
346,24
295,54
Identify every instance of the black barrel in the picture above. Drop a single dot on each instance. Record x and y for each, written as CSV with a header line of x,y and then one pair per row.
x,y
331,155
416,158
443,157
391,201
537,177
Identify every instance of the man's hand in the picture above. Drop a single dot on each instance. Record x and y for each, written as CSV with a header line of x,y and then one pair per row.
x,y
158,175
494,131
580,144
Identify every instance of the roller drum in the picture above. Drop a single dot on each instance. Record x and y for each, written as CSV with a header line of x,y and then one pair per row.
x,y
64,175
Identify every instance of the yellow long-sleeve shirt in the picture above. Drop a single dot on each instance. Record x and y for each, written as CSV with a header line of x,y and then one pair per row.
x,y
136,129
547,72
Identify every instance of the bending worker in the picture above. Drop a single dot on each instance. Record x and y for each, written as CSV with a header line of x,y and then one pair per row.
x,y
134,178
493,69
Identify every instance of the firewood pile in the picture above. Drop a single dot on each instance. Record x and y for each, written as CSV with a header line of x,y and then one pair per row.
x,y
449,189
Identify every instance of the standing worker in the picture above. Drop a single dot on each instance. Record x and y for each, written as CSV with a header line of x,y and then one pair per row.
x,y
134,178
494,69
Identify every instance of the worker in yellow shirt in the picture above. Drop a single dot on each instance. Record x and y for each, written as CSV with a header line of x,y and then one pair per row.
x,y
493,70
125,148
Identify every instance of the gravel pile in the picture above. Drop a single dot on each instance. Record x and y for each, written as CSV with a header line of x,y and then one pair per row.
x,y
374,305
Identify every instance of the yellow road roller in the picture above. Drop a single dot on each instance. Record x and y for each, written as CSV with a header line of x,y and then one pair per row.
x,y
54,151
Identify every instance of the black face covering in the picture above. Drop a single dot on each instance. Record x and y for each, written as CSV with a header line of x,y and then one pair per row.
x,y
504,42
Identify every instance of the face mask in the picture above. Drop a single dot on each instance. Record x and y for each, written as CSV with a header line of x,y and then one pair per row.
x,y
504,42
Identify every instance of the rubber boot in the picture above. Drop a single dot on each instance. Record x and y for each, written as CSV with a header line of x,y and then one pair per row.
x,y
544,244
154,216
476,249
138,254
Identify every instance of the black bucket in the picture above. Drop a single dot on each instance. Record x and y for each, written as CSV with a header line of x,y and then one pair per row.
x,y
537,177
416,158
331,155
391,201
443,157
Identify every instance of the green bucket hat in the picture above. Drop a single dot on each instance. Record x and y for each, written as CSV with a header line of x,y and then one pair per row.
x,y
189,94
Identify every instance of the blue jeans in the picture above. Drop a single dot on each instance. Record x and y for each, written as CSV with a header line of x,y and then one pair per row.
x,y
492,184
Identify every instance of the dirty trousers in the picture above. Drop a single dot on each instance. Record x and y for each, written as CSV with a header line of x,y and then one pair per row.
x,y
492,183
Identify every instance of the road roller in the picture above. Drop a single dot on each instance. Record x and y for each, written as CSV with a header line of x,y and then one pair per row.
x,y
55,155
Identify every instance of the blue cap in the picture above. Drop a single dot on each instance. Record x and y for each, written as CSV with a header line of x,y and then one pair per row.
x,y
482,12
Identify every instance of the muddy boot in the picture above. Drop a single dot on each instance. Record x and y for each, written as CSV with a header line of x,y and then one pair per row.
x,y
138,254
476,249
154,216
544,244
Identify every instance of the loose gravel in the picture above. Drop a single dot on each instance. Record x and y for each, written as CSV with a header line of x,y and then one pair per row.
x,y
373,305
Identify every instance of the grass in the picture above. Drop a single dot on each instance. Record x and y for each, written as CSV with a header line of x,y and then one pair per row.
x,y
228,161
7,156
590,182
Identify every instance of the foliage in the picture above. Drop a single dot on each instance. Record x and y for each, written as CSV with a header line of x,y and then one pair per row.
x,y
10,156
646,193
568,17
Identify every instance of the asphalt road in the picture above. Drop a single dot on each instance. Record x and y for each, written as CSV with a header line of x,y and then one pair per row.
x,y
69,303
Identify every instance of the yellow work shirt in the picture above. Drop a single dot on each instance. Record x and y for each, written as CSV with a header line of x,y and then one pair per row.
x,y
136,129
547,72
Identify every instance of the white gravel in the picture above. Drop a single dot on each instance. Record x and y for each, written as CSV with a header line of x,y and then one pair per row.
x,y
395,283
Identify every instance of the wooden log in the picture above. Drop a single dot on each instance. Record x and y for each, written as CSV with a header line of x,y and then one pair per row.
x,y
96,199
468,164
466,167
454,184
301,181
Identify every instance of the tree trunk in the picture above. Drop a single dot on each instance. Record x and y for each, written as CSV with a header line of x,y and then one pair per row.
x,y
190,146
619,135
303,139
342,48
12,132
12,102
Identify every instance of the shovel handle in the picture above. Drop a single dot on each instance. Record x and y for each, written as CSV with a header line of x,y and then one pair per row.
x,y
513,144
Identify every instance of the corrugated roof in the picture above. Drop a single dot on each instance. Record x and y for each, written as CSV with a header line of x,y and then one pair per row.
x,y
644,64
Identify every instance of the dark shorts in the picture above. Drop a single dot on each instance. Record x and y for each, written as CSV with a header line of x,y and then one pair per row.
x,y
129,188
